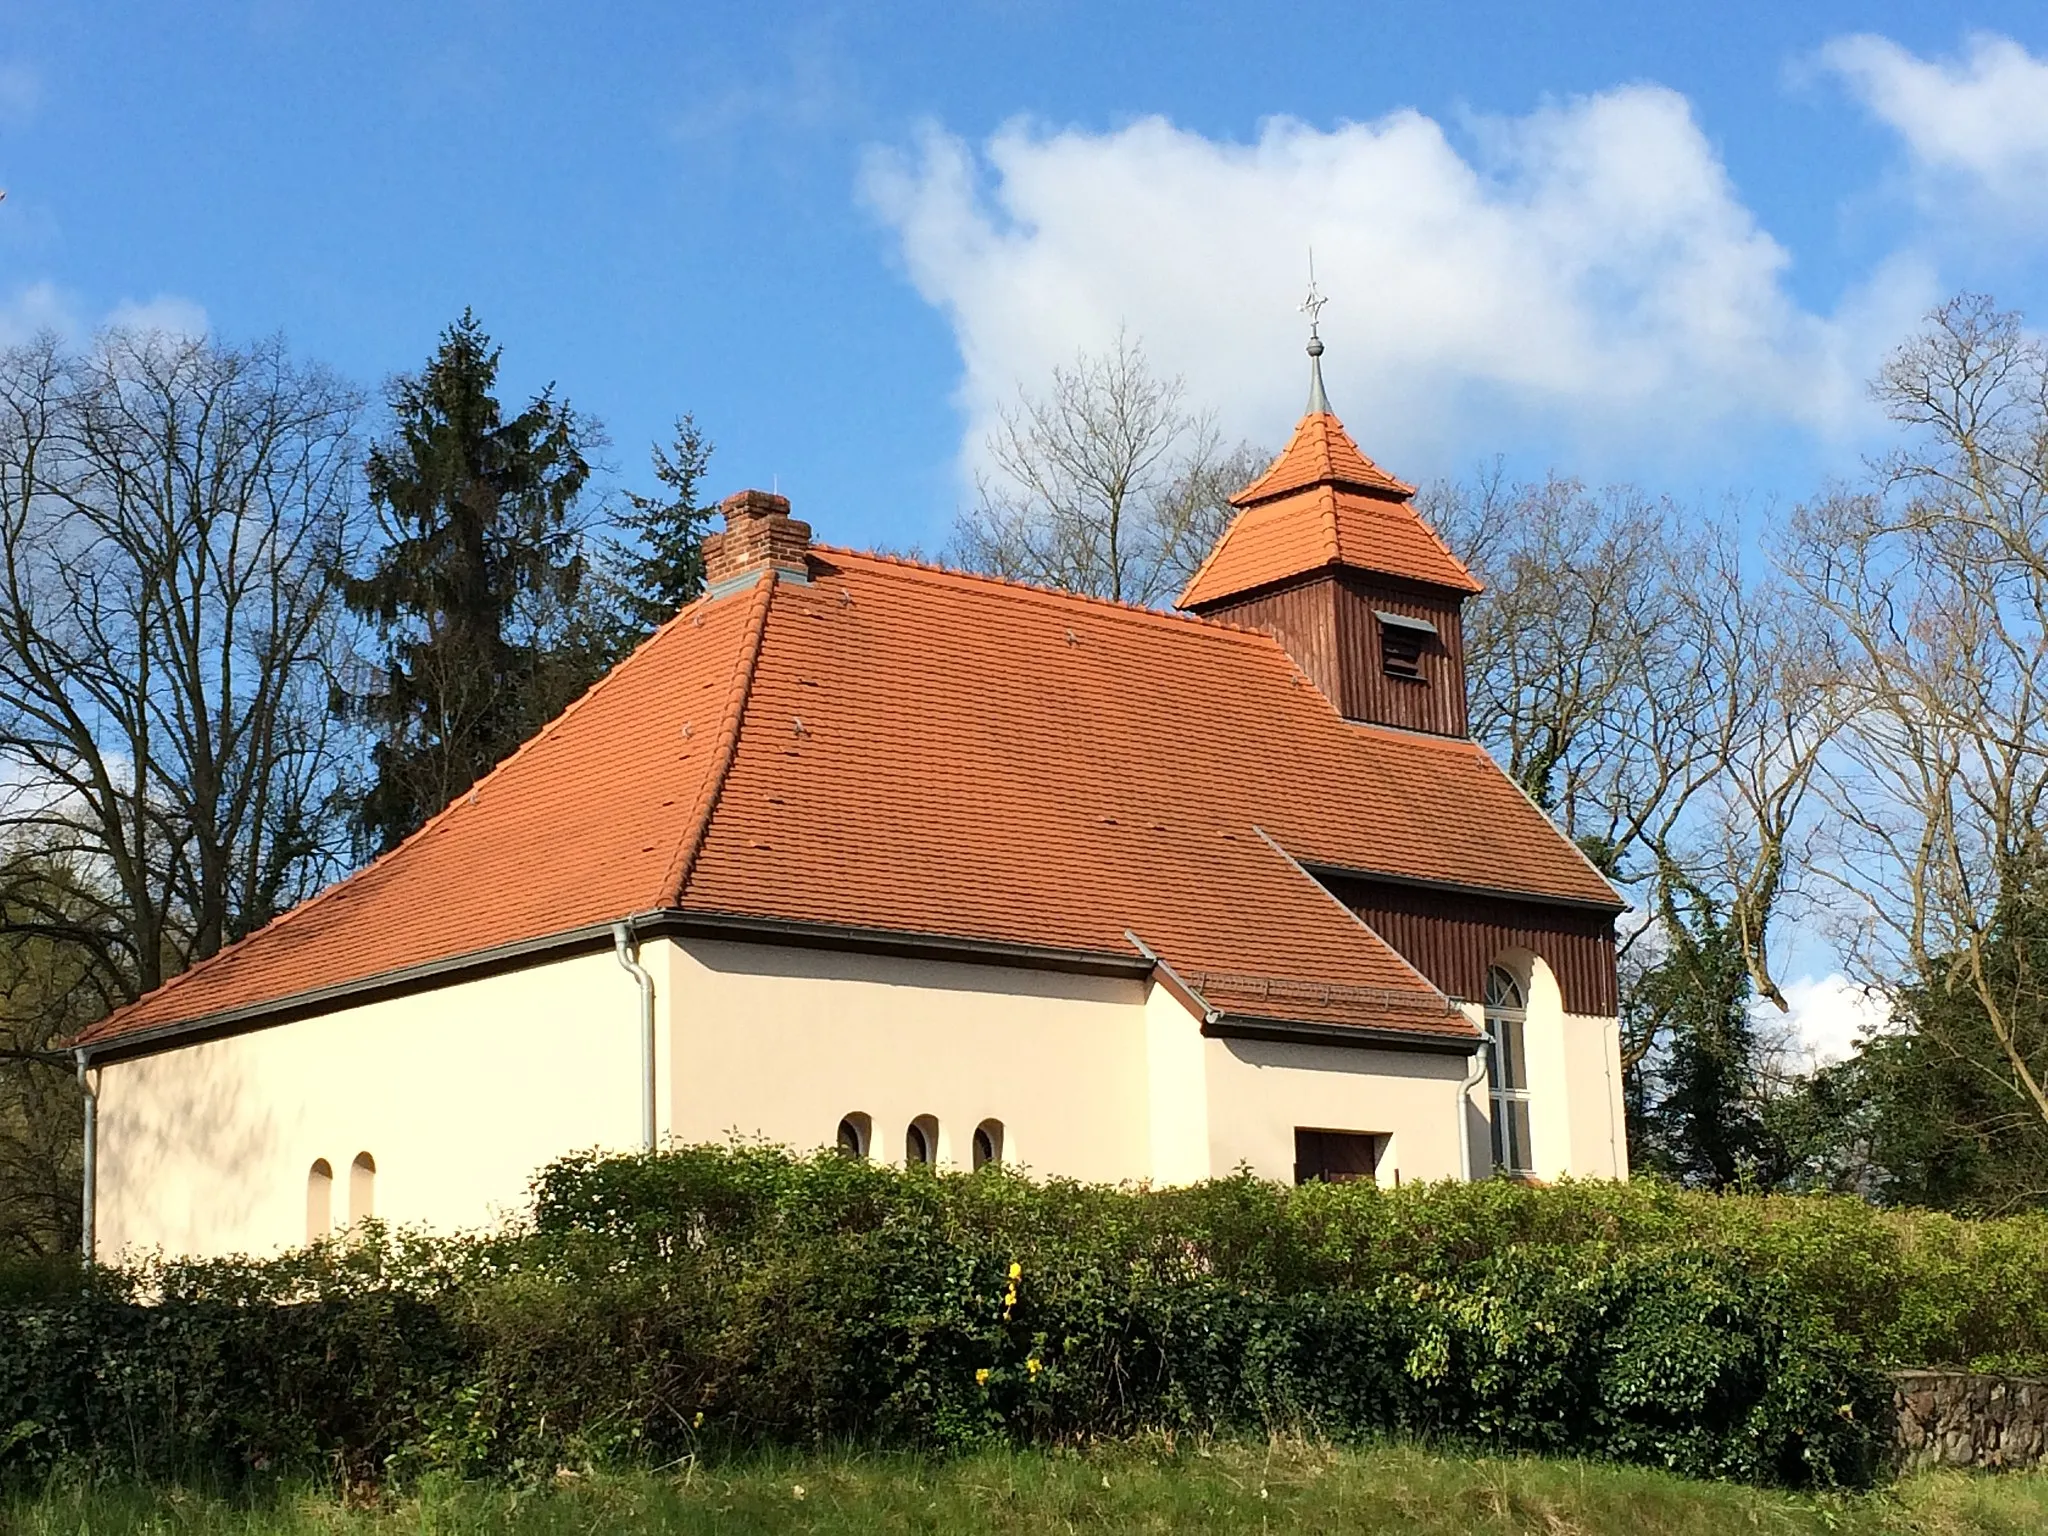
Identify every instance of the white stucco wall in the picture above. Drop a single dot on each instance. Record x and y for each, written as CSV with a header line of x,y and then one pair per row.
x,y
1260,1091
1593,1103
461,1093
1177,1090
781,1043
1549,1058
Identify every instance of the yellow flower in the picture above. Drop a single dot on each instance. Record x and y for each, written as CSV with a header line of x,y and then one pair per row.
x,y
981,1377
1016,1271
698,1422
1033,1366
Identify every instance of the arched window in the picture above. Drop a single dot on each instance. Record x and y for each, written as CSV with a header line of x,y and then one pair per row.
x,y
1507,1072
921,1142
856,1132
988,1143
319,1200
362,1188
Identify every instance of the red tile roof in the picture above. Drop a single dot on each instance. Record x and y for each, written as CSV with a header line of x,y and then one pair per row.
x,y
583,824
1321,452
1323,503
893,746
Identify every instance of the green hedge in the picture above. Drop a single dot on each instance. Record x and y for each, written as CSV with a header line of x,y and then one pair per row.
x,y
654,1305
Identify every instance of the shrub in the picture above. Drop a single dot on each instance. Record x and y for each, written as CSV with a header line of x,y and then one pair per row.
x,y
749,1297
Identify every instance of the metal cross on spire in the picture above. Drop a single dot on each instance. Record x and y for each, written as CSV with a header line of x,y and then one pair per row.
x,y
1312,306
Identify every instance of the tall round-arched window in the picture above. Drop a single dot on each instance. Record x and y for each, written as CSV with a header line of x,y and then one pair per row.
x,y
921,1142
855,1133
362,1188
1507,1072
319,1200
988,1143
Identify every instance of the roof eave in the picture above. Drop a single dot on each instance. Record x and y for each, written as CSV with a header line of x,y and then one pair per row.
x,y
1357,1037
590,937
1192,600
1320,868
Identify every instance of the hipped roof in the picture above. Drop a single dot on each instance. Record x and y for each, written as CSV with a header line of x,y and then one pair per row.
x,y
1321,505
896,747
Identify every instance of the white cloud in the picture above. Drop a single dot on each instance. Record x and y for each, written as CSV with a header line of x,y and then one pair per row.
x,y
1828,1014
43,306
1586,271
32,308
1974,127
166,312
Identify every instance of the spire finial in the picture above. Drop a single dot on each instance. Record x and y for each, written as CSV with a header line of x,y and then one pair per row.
x,y
1312,306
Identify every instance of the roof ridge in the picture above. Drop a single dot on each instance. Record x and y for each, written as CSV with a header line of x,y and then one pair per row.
x,y
683,863
1208,560
411,840
1313,449
1024,590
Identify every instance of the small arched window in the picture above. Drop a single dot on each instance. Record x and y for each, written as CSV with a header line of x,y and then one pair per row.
x,y
856,1132
1507,1072
362,1188
921,1142
988,1143
319,1200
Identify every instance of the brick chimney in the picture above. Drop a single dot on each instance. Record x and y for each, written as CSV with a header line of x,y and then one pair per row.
x,y
759,534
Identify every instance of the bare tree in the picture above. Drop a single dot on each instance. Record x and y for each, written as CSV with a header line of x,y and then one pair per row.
x,y
1779,715
1660,699
1108,484
172,511
1936,583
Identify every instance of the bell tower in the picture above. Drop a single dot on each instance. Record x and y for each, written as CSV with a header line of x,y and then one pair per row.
x,y
1328,553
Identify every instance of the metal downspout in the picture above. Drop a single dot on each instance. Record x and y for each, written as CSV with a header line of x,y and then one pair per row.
x,y
1464,1118
88,1199
627,946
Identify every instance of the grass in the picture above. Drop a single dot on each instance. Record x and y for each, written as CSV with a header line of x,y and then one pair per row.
x,y
1285,1487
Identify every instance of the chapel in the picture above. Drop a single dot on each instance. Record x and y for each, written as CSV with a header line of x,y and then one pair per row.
x,y
863,854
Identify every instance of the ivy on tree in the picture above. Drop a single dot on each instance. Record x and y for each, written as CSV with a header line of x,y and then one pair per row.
x,y
478,590
1695,1105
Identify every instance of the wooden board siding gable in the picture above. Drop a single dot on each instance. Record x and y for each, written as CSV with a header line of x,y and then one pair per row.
x,y
1452,938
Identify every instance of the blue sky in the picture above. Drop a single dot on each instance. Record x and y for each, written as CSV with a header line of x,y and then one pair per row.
x,y
1656,242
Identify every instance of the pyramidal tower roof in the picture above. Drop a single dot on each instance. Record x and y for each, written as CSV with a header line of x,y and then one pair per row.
x,y
1322,503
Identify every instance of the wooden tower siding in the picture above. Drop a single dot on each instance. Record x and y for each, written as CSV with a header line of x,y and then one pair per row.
x,y
1326,623
1435,702
1452,938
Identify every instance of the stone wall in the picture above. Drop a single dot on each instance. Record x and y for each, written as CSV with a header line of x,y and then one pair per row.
x,y
1965,1419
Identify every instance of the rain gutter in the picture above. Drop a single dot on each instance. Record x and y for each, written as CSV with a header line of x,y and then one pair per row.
x,y
594,937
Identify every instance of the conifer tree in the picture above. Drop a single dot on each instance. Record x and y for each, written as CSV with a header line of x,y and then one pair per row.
x,y
666,570
477,591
